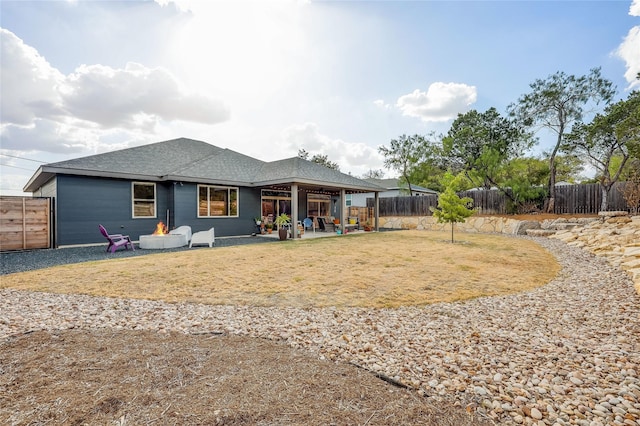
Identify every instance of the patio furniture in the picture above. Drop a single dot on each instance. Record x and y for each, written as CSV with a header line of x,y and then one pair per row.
x,y
308,224
184,231
203,237
116,240
321,224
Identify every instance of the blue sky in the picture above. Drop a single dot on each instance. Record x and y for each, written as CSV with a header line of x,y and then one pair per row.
x,y
268,78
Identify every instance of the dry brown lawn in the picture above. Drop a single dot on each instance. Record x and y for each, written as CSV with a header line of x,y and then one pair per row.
x,y
387,269
107,377
77,377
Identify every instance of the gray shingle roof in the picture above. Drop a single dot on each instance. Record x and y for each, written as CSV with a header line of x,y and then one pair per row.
x,y
196,161
156,159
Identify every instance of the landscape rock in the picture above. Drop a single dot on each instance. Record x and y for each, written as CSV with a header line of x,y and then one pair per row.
x,y
565,353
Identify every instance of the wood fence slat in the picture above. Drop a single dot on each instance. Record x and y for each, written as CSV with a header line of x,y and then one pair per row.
x,y
570,199
25,223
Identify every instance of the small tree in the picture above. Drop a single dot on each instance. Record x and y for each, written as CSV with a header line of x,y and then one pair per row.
x,y
451,208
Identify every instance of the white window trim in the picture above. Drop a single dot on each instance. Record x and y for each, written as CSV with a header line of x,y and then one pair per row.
x,y
228,188
133,200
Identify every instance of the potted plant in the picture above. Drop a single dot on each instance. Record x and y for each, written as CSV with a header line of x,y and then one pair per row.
x,y
281,221
367,225
269,227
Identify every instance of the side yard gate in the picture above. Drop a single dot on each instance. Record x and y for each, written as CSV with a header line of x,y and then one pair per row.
x,y
25,223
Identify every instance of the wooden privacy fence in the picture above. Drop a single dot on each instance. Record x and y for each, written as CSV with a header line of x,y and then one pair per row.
x,y
570,199
586,199
25,223
487,202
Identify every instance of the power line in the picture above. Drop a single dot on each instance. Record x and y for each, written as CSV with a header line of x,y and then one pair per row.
x,y
22,158
16,167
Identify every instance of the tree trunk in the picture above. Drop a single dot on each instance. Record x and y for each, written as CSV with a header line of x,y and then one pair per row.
x,y
604,203
551,204
451,232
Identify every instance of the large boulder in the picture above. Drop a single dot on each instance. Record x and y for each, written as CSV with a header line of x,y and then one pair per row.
x,y
522,227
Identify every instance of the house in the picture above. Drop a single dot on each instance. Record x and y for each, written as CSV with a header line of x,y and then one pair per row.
x,y
185,182
393,188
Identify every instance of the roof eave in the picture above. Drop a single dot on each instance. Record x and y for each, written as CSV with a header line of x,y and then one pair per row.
x,y
196,179
39,178
314,182
36,181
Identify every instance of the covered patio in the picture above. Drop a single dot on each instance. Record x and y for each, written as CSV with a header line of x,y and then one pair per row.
x,y
327,206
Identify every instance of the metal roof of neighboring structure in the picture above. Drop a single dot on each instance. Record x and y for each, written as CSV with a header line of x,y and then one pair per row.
x,y
190,160
390,184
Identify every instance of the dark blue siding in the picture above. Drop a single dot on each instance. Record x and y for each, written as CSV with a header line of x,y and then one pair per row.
x,y
186,212
84,202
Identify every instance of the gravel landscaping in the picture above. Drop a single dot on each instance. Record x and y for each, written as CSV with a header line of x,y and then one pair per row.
x,y
565,353
21,261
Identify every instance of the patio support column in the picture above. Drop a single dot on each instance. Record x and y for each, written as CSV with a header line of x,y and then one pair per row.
x,y
343,209
294,211
376,211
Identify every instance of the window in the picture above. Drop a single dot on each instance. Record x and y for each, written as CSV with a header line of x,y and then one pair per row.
x,y
274,203
347,200
318,205
143,199
217,201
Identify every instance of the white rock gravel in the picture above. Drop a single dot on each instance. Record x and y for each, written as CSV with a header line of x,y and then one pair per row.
x,y
567,353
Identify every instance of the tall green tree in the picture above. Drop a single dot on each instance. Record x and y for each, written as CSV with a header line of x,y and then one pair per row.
x,y
430,170
557,102
451,208
373,174
478,144
604,142
526,178
318,159
403,155
429,174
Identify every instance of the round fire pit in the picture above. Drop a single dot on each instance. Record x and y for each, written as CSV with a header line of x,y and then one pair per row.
x,y
157,242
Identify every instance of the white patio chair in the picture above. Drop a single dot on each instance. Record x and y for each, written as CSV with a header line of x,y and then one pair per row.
x,y
203,237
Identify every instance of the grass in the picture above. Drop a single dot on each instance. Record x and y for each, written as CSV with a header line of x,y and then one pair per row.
x,y
387,269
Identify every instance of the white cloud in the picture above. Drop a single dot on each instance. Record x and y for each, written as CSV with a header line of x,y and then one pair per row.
x,y
629,51
29,83
353,157
45,135
43,109
381,104
135,96
441,102
634,9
